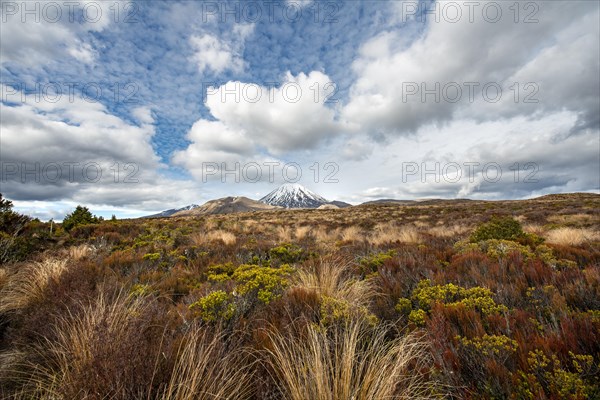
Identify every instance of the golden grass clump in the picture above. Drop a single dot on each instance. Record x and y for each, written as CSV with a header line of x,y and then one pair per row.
x,y
535,229
206,370
390,233
571,236
353,361
332,278
352,234
301,232
284,233
201,238
78,252
28,284
448,231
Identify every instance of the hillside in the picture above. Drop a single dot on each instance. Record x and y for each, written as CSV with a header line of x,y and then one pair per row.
x,y
470,299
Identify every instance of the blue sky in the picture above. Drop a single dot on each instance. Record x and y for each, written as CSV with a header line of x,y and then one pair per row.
x,y
381,57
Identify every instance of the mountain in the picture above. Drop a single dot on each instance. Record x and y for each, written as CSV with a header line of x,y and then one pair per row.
x,y
293,195
168,213
340,204
226,205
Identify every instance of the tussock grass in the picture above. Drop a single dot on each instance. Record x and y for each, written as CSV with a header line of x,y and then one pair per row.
x,y
28,284
332,278
348,362
200,238
284,233
571,236
390,233
79,252
3,277
535,229
301,232
352,234
448,231
83,344
206,369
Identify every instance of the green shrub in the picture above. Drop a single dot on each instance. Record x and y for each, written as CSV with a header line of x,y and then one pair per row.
x,y
502,228
80,216
287,253
373,262
266,283
477,298
215,306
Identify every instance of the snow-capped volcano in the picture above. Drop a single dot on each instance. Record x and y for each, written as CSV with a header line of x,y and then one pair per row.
x,y
293,195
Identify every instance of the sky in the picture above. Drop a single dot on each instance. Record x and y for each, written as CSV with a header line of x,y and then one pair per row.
x,y
131,108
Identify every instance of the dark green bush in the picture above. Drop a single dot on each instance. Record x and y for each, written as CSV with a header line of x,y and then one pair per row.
x,y
501,228
80,216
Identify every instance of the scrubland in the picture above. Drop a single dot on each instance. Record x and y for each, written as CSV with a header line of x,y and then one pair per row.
x,y
442,299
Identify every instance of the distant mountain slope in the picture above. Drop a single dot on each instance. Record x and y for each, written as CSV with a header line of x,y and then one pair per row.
x,y
168,213
226,205
293,195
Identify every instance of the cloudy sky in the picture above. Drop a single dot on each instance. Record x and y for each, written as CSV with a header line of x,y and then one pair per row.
x,y
136,107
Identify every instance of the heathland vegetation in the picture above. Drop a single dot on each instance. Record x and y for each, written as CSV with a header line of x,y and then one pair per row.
x,y
440,299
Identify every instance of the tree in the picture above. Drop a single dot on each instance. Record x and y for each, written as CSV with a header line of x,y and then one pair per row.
x,y
11,222
80,216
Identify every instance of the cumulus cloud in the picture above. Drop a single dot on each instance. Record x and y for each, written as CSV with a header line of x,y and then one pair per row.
x,y
77,150
221,53
261,122
35,33
558,56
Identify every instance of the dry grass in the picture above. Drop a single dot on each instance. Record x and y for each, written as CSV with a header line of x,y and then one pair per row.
x,y
284,233
333,279
535,229
323,235
352,234
448,231
70,358
571,236
301,232
206,370
574,219
350,362
28,284
200,238
389,233
3,277
79,252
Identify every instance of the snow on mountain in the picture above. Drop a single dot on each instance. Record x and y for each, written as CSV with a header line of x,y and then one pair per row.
x,y
293,195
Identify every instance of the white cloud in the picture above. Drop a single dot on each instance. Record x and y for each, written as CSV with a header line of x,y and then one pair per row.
x,y
36,33
78,150
546,53
219,54
289,117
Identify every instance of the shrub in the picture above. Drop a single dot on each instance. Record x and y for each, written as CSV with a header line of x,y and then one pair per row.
x,y
287,253
478,298
262,283
80,216
214,307
502,228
